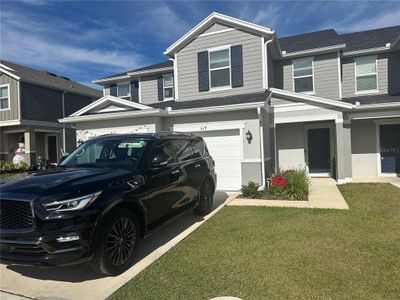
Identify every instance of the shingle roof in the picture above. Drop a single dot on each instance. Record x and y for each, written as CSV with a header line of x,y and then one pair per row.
x,y
50,80
311,40
370,38
354,41
164,64
229,100
373,99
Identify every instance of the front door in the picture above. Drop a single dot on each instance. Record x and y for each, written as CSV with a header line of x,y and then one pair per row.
x,y
52,148
390,148
319,152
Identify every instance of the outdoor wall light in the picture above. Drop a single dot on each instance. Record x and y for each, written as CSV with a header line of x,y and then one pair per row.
x,y
249,136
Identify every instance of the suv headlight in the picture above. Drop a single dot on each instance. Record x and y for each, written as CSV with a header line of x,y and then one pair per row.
x,y
71,204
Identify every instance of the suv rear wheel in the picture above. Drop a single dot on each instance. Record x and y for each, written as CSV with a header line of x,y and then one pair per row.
x,y
205,203
117,243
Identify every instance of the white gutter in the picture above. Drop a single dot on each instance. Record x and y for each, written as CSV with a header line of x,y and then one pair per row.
x,y
367,51
63,114
313,51
175,78
266,61
261,132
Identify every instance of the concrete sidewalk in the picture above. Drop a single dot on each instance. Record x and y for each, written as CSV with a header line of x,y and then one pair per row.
x,y
324,193
77,282
392,180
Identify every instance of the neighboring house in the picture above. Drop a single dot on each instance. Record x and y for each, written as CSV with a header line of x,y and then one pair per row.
x,y
31,101
322,101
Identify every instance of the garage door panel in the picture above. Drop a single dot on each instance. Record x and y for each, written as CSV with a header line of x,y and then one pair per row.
x,y
225,148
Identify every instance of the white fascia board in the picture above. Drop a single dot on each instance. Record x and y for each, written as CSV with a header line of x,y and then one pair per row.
x,y
10,123
6,67
5,71
378,106
113,116
151,71
214,17
313,51
366,51
305,97
111,99
216,109
111,79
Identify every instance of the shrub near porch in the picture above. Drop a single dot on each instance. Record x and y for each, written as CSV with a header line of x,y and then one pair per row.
x,y
287,185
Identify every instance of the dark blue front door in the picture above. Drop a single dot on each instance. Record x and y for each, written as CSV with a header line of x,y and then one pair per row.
x,y
390,148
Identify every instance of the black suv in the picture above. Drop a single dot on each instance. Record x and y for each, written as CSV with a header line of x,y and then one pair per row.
x,y
97,204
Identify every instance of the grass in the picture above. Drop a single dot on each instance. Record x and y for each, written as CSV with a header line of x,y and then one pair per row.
x,y
278,253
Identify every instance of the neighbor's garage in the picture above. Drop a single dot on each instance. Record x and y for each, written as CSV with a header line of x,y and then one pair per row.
x,y
225,146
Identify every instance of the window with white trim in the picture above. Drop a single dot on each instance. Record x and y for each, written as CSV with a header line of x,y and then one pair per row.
x,y
4,97
303,75
220,68
366,74
168,85
124,90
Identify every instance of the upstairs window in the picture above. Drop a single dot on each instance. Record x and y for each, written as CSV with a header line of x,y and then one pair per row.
x,y
168,84
220,68
303,75
4,97
123,90
366,75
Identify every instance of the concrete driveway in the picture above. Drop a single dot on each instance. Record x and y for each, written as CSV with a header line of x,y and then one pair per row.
x,y
78,282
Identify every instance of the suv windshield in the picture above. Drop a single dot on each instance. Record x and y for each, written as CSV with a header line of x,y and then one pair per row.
x,y
124,153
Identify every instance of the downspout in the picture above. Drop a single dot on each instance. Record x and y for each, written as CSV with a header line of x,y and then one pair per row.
x,y
63,114
266,61
175,66
261,132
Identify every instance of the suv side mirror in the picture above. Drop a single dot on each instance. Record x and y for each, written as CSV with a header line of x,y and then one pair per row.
x,y
159,160
64,156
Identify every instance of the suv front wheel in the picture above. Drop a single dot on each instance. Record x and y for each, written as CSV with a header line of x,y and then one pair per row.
x,y
205,202
117,243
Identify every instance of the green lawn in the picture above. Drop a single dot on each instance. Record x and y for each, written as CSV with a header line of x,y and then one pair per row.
x,y
275,253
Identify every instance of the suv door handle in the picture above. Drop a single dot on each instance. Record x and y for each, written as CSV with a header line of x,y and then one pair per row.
x,y
175,172
197,166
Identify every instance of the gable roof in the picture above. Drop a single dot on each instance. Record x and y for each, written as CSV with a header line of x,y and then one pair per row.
x,y
211,19
371,38
311,40
46,79
160,65
112,101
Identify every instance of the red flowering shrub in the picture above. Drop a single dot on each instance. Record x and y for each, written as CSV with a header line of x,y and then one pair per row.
x,y
279,181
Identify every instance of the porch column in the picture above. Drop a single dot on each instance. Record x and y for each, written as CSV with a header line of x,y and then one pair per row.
x,y
343,151
30,146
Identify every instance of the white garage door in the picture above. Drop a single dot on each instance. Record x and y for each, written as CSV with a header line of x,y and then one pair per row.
x,y
225,147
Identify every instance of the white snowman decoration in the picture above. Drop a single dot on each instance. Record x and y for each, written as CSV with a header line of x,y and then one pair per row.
x,y
19,154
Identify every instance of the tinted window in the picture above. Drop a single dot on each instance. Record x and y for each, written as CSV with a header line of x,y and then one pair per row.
x,y
163,149
196,151
202,148
183,150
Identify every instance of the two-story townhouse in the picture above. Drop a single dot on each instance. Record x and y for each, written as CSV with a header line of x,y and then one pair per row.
x,y
31,102
322,101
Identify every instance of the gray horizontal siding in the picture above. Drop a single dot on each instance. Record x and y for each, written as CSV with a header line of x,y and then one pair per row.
x,y
215,27
12,113
148,89
326,75
388,74
39,103
75,102
252,64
